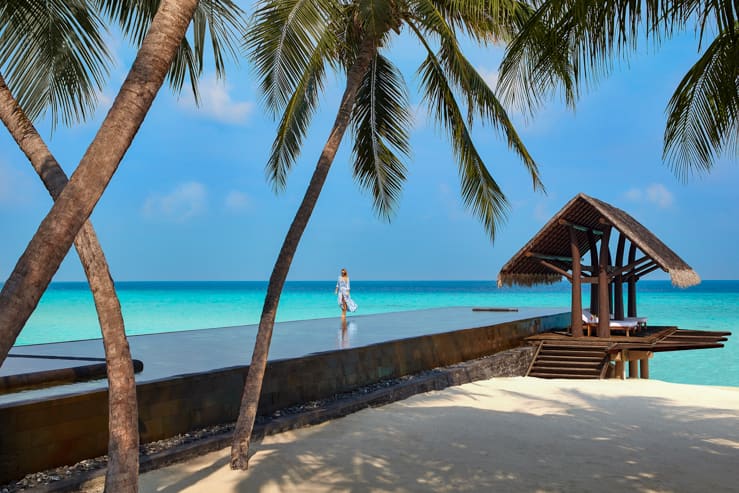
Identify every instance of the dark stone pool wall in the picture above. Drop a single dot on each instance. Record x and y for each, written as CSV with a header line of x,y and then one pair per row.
x,y
45,433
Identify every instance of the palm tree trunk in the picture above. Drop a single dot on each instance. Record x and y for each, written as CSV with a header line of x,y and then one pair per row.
x,y
255,376
123,436
57,231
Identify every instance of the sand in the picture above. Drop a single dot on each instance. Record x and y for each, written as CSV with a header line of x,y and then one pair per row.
x,y
504,434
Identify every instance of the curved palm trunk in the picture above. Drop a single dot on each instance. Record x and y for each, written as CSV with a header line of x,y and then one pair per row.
x,y
57,231
123,437
255,376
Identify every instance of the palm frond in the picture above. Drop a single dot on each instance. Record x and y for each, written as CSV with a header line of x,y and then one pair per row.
x,y
185,65
480,192
482,20
569,44
132,16
537,64
484,103
54,57
282,41
298,112
480,98
381,122
222,20
703,112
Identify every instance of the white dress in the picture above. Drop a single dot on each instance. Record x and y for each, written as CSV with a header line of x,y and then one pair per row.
x,y
342,285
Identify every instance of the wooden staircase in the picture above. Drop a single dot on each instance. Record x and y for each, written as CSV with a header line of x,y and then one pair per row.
x,y
557,359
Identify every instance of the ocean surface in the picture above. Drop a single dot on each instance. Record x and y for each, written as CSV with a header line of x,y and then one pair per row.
x,y
67,313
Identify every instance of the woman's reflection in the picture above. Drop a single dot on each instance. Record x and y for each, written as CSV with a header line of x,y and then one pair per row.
x,y
346,333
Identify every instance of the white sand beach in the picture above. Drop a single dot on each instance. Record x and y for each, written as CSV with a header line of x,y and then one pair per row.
x,y
504,434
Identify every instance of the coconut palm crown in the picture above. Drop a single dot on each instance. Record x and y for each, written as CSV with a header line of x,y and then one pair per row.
x,y
56,61
570,44
54,55
294,43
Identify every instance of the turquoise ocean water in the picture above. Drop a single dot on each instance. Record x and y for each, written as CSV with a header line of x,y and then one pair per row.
x,y
66,312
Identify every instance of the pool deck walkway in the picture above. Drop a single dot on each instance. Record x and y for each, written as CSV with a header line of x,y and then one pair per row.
x,y
170,354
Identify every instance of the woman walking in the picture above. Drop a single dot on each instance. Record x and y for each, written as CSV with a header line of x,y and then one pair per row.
x,y
344,296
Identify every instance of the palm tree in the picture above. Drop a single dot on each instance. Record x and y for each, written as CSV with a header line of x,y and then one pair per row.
x,y
21,292
60,69
571,43
294,42
62,66
123,438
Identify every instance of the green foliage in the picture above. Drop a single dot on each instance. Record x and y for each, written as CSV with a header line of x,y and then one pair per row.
x,y
293,43
54,56
569,45
704,111
382,120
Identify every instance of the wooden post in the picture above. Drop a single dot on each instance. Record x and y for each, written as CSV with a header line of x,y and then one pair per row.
x,y
618,286
593,263
631,310
633,369
576,286
609,262
620,369
644,367
604,322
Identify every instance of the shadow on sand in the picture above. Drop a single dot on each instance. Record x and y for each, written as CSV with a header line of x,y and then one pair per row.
x,y
591,443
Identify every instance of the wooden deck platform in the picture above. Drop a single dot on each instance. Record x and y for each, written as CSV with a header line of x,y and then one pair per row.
x,y
560,355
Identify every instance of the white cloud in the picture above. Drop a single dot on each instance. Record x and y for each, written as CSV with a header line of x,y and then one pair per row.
x,y
187,200
237,201
216,102
656,194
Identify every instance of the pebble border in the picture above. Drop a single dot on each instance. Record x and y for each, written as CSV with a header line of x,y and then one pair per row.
x,y
513,362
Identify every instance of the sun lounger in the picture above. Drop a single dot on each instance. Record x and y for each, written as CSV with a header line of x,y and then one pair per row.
x,y
624,325
628,325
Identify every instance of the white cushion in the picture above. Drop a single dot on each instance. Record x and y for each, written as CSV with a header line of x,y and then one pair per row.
x,y
624,324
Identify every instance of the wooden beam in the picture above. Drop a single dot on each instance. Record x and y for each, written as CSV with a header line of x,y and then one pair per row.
x,y
630,265
589,268
647,271
644,269
589,279
544,256
556,269
580,227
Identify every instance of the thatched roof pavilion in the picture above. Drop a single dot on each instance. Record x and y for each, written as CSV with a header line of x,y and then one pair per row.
x,y
584,225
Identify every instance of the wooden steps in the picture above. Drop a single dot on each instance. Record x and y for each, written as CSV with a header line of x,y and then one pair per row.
x,y
556,359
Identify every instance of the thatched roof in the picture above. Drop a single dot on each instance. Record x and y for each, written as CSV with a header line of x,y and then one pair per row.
x,y
553,242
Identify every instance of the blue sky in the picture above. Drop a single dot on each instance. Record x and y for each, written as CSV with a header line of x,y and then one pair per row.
x,y
190,200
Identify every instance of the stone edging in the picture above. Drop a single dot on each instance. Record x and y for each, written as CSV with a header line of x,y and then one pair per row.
x,y
509,363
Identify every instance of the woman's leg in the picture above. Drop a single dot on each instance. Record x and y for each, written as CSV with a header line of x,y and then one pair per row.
x,y
343,307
